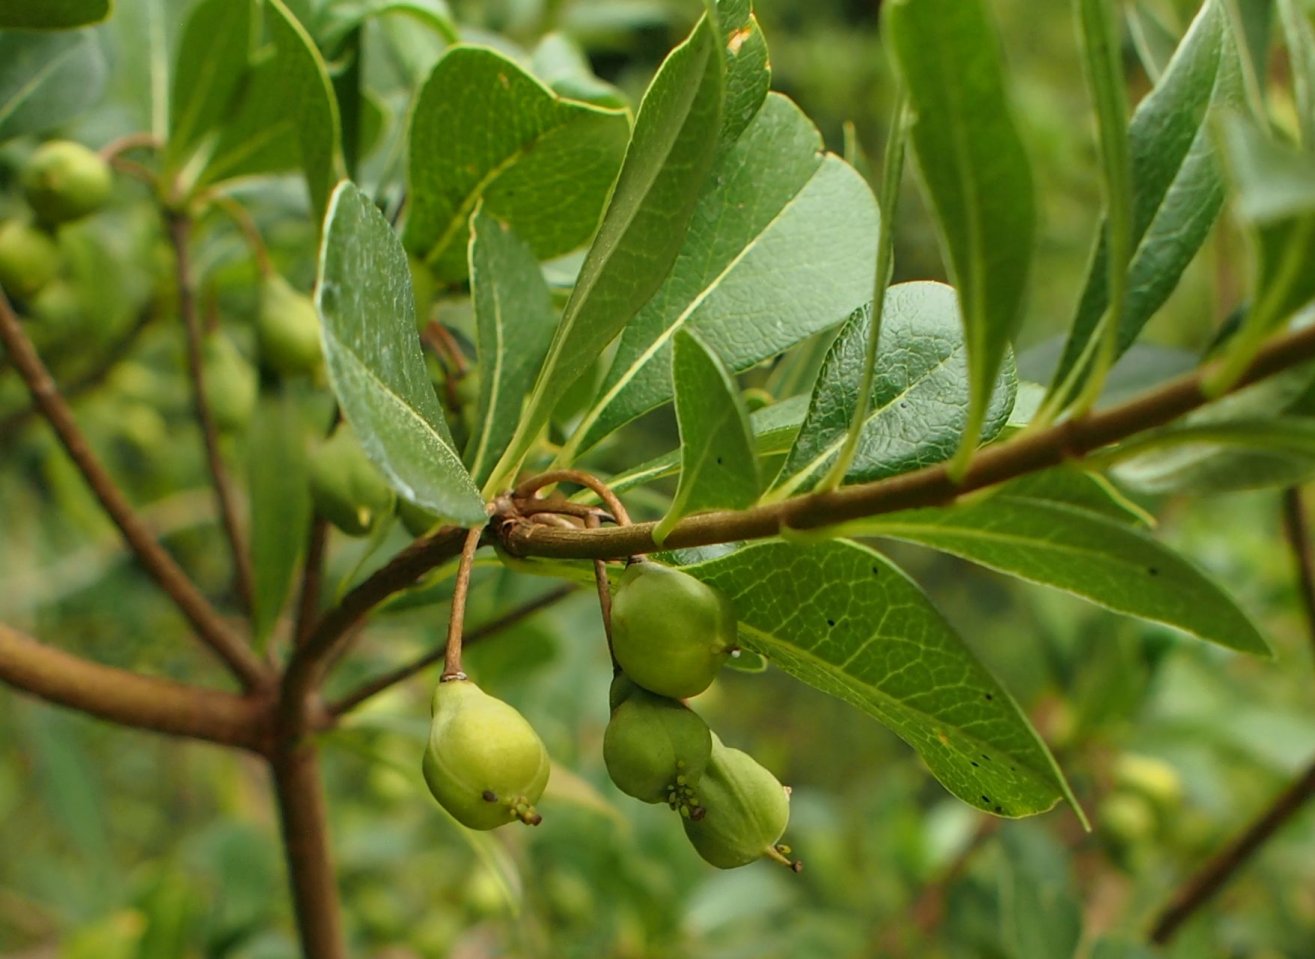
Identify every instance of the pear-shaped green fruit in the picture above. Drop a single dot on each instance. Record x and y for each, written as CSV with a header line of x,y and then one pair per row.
x,y
348,490
656,750
671,633
287,329
29,259
746,811
230,383
484,764
65,181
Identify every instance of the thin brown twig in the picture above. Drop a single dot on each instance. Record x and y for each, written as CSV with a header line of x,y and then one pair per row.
x,y
130,141
604,593
457,615
130,699
1028,452
373,687
1296,527
90,378
210,627
179,230
527,489
312,580
1210,878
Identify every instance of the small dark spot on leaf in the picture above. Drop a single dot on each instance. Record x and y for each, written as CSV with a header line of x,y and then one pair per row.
x,y
976,764
986,799
986,757
1153,571
999,809
876,571
989,697
830,622
718,460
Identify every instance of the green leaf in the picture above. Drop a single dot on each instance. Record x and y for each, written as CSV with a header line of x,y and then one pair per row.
x,y
1081,552
51,14
671,149
280,507
374,360
260,136
209,67
1300,38
719,468
976,174
46,79
1276,203
344,16
845,620
782,243
1155,43
514,322
484,128
1177,191
1222,457
306,94
918,407
1081,489
1041,913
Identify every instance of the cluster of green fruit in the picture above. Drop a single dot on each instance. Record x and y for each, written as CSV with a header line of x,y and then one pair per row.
x,y
62,181
671,633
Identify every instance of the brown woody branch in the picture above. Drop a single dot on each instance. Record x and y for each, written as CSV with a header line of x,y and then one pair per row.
x,y
179,228
130,699
1029,452
209,626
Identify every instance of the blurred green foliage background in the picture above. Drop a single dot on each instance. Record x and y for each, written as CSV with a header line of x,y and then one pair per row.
x,y
120,845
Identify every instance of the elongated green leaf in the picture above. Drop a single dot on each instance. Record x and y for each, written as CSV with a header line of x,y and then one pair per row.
x,y
1177,190
280,507
845,620
976,174
1220,457
1102,48
51,14
782,245
718,468
483,128
514,321
1083,553
918,407
260,136
46,79
307,95
340,18
374,361
1081,489
671,148
1041,912
209,66
1276,202
1154,42
1299,36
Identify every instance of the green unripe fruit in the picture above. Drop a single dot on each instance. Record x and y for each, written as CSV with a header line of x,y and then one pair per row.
x,y
230,383
670,632
1153,778
484,763
287,329
65,181
29,259
747,810
656,750
346,487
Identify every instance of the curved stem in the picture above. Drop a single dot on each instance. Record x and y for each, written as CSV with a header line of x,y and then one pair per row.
x,y
179,228
1028,452
210,627
457,615
580,478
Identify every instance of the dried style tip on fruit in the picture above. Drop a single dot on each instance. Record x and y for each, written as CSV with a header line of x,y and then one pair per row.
x,y
28,259
288,329
671,633
484,764
656,749
347,488
746,812
65,181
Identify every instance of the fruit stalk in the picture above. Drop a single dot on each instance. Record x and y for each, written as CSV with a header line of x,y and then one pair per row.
x,y
460,589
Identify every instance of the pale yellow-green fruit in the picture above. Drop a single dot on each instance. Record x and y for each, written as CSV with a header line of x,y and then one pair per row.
x,y
288,329
230,383
1153,778
671,633
746,811
484,763
65,181
347,488
29,259
656,749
